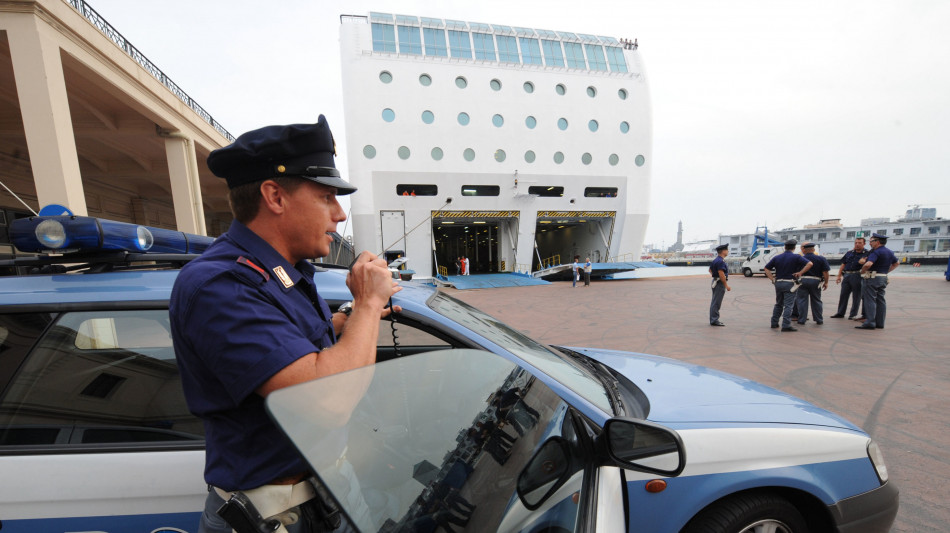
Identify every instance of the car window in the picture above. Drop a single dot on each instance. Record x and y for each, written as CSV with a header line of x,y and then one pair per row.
x,y
91,378
438,439
551,362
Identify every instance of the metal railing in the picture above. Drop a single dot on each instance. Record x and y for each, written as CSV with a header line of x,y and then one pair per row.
x,y
552,261
103,26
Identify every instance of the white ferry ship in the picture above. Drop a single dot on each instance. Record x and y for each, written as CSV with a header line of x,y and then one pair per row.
x,y
517,148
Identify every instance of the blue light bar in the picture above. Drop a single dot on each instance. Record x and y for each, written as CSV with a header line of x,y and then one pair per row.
x,y
65,234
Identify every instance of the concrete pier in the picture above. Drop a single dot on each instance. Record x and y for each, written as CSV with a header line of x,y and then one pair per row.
x,y
894,383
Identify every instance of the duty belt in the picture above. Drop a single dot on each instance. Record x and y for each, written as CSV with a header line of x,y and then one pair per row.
x,y
871,274
789,280
850,271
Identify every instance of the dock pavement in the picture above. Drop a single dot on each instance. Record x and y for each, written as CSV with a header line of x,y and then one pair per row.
x,y
893,382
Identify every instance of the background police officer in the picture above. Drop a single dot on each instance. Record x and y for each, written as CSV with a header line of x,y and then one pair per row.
x,y
850,273
813,282
788,267
720,283
247,318
880,262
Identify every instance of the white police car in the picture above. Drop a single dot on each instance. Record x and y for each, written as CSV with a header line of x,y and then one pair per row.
x,y
465,424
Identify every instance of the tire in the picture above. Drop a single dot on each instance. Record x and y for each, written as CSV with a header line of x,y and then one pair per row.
x,y
747,272
749,513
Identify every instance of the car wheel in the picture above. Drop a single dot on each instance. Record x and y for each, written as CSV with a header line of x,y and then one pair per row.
x,y
747,272
749,513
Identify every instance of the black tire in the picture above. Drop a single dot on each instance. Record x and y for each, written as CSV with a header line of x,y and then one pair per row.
x,y
747,272
749,513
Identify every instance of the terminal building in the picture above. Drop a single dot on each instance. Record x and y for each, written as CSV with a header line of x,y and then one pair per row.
x,y
515,147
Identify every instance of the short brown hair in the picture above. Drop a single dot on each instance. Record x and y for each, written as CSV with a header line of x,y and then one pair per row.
x,y
245,200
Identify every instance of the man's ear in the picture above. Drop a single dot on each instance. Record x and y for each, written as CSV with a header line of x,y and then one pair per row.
x,y
273,196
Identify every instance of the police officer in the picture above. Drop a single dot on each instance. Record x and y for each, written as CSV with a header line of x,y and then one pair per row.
x,y
813,282
247,318
720,283
880,262
788,267
850,269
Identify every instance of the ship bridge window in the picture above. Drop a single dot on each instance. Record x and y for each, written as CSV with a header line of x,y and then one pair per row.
x,y
575,55
507,49
416,189
435,42
553,56
410,42
480,190
600,192
595,57
384,37
545,190
460,44
616,60
530,51
484,46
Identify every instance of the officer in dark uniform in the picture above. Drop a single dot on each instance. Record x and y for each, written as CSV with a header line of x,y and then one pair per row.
x,y
720,283
850,273
879,264
247,318
788,267
813,282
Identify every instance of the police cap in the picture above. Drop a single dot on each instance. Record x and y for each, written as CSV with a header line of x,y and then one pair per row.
x,y
791,242
296,150
878,236
722,247
808,245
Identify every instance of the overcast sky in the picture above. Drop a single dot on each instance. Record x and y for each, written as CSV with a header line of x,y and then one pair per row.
x,y
764,112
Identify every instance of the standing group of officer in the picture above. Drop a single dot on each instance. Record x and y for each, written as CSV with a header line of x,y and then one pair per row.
x,y
864,273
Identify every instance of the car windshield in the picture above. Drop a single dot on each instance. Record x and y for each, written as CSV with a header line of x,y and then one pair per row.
x,y
437,439
562,368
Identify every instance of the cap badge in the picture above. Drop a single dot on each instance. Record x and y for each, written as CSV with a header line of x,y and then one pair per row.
x,y
283,277
281,169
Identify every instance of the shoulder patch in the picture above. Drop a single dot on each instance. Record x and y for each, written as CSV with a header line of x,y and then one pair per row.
x,y
244,261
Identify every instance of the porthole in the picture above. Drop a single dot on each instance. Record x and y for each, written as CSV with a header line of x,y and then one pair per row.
x,y
592,125
624,127
530,122
529,156
389,115
463,118
369,151
428,117
403,152
461,82
558,157
425,80
498,121
468,154
562,124
385,77
495,85
622,93
528,87
437,153
500,155
560,89
640,160
613,159
586,158
591,91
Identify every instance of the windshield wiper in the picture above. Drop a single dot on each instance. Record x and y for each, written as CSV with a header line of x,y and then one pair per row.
x,y
604,376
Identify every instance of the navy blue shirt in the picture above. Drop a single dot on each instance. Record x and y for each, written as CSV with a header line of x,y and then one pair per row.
x,y
882,259
786,264
819,265
719,264
239,314
851,259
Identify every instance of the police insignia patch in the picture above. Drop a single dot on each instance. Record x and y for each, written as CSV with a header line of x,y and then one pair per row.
x,y
283,277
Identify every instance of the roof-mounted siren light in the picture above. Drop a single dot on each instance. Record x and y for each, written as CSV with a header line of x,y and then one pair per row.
x,y
64,234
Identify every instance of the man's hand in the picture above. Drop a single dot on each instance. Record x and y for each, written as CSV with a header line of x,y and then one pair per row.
x,y
370,282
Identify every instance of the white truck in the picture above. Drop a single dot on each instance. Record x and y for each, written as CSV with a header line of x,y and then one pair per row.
x,y
756,262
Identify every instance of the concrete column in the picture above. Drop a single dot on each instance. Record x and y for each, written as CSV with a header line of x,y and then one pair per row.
x,y
186,189
41,88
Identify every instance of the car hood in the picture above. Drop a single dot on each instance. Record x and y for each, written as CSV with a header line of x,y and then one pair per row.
x,y
682,393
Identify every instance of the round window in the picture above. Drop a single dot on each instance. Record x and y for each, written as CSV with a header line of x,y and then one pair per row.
x,y
403,152
498,121
428,117
613,159
425,80
500,155
560,89
562,124
624,127
530,122
463,118
622,93
528,87
529,156
369,151
592,92
640,160
468,154
586,158
461,82
495,85
389,115
437,153
592,125
558,157
385,77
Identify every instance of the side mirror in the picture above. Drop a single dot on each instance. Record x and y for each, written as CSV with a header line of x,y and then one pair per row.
x,y
544,473
644,446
